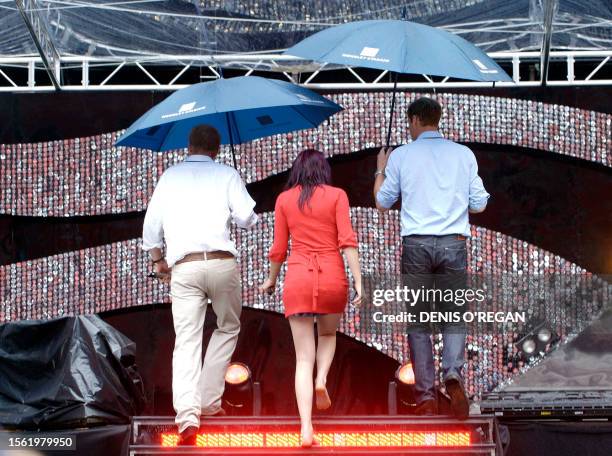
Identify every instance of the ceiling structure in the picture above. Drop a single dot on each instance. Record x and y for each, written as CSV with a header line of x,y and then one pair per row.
x,y
41,40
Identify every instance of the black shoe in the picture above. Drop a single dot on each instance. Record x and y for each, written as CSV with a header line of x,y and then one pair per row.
x,y
460,405
427,408
188,436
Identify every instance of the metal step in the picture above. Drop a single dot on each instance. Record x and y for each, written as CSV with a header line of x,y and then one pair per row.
x,y
345,435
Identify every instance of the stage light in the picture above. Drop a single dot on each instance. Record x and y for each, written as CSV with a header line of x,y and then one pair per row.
x,y
237,374
529,346
242,394
544,335
537,342
405,374
400,394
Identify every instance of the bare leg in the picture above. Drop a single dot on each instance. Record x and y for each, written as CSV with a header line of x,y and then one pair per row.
x,y
327,326
302,329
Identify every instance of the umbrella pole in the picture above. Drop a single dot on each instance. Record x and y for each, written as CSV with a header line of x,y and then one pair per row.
x,y
229,130
233,155
392,109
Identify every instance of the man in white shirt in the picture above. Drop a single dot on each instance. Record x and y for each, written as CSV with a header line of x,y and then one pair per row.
x,y
191,209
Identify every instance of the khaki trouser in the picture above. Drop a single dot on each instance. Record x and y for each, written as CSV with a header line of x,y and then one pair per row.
x,y
197,389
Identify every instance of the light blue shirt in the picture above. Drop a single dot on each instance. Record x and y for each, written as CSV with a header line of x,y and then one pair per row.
x,y
438,181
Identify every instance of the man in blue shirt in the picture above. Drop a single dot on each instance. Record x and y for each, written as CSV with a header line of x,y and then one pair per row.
x,y
439,184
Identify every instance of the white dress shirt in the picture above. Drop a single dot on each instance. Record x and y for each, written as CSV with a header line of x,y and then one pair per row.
x,y
192,206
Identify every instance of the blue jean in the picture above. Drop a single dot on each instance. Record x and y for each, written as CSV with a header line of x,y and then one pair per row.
x,y
435,262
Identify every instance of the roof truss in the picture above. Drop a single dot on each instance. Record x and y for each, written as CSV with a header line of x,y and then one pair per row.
x,y
93,73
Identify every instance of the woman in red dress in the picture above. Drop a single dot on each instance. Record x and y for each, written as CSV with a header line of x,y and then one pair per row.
x,y
316,217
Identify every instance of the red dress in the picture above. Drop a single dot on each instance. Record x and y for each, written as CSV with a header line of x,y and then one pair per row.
x,y
316,279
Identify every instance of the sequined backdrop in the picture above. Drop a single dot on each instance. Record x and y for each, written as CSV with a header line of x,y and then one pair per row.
x,y
88,176
114,276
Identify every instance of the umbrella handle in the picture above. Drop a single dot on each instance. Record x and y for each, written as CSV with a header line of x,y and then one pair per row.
x,y
392,109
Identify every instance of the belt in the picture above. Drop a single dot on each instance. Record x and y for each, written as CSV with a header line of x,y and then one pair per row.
x,y
459,237
202,256
313,265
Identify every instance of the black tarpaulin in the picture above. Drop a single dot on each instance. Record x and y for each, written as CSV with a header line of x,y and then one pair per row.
x,y
67,372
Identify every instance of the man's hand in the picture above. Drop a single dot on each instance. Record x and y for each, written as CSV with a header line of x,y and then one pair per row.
x,y
162,271
383,158
381,164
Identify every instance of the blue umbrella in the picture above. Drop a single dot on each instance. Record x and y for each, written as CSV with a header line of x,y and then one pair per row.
x,y
401,47
241,109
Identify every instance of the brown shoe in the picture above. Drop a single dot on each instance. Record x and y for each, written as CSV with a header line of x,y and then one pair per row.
x,y
188,436
220,412
427,408
460,405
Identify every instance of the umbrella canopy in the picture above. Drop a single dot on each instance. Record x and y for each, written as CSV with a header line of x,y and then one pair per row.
x,y
241,109
402,47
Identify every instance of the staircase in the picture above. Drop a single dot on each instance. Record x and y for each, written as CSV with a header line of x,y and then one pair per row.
x,y
345,435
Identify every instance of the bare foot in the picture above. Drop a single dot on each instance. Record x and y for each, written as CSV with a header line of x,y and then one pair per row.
x,y
323,401
307,437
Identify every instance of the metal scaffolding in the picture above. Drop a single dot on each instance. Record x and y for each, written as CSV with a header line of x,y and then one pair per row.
x,y
35,25
29,74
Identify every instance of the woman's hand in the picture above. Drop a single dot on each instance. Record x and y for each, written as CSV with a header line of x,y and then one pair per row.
x,y
268,286
357,299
